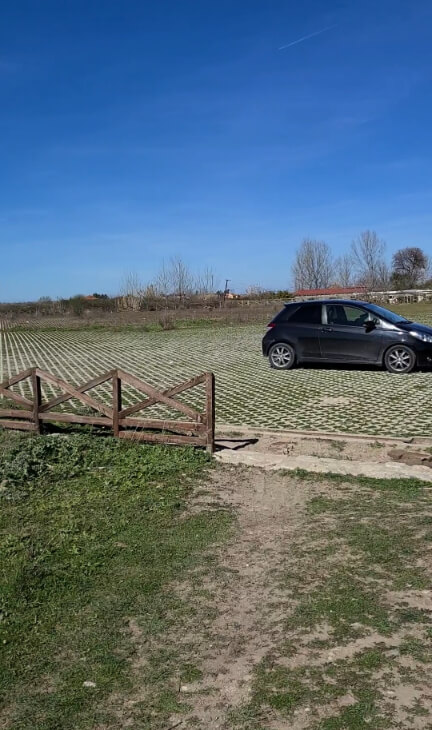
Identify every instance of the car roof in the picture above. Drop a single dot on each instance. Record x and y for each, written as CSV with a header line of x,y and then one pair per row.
x,y
330,301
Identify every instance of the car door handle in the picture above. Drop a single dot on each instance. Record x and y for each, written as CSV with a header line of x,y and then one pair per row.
x,y
327,329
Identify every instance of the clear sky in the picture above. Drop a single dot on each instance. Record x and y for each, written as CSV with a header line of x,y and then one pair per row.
x,y
132,130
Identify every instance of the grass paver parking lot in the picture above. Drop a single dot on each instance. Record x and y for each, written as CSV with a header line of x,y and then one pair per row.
x,y
249,393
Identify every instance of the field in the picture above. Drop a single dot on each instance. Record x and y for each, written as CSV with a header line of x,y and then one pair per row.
x,y
146,588
247,392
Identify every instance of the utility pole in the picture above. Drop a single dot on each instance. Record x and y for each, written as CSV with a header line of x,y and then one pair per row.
x,y
227,281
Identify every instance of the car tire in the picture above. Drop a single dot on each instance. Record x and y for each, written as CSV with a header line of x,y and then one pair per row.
x,y
400,359
282,356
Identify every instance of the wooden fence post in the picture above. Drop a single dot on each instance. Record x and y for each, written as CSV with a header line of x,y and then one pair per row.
x,y
37,398
117,402
210,411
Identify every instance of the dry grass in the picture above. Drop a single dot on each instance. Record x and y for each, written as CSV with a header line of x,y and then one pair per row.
x,y
230,314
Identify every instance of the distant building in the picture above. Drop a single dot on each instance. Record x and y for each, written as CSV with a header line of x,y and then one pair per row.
x,y
333,292
397,296
402,296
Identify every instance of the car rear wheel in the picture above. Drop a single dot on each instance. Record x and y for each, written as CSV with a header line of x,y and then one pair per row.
x,y
282,356
399,359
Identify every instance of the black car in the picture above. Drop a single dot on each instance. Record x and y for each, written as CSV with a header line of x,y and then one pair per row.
x,y
347,332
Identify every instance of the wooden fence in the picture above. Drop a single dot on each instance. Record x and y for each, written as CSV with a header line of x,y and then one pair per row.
x,y
33,412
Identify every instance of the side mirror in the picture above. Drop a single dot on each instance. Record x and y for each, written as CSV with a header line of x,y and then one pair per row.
x,y
369,325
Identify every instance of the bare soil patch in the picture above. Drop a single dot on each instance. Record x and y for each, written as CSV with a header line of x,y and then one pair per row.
x,y
316,615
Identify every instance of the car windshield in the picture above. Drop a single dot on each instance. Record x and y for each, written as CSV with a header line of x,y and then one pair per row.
x,y
386,314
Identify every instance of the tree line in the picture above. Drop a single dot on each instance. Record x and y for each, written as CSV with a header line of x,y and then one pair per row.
x,y
174,279
176,285
365,263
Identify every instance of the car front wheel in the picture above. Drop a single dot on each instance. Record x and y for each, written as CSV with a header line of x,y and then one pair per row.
x,y
399,359
282,356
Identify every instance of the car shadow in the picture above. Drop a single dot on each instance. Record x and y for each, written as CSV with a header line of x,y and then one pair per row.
x,y
353,367
222,444
340,366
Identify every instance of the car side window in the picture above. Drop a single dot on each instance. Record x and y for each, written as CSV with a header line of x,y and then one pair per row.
x,y
307,314
341,314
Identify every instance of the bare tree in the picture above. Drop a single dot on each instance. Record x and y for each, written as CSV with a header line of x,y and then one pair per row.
x,y
410,266
151,297
163,282
131,291
368,251
344,268
313,266
384,274
205,282
254,291
181,278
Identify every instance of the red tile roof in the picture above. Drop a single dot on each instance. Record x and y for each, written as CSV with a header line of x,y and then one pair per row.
x,y
331,290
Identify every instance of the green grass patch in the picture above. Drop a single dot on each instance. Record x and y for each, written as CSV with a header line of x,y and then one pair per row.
x,y
286,690
345,604
91,536
361,539
408,487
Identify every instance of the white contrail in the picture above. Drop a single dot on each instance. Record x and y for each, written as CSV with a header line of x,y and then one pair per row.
x,y
306,37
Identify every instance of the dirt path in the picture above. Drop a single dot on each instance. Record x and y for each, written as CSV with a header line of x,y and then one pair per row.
x,y
250,605
316,614
243,608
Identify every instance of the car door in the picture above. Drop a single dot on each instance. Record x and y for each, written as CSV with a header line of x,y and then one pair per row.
x,y
303,330
346,337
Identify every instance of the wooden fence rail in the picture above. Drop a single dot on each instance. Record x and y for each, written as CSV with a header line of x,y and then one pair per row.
x,y
198,429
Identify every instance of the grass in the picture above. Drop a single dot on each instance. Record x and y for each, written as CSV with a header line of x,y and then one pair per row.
x,y
359,558
258,313
91,536
345,603
94,533
288,689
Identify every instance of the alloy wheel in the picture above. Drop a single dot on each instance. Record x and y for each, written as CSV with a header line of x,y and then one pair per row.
x,y
400,359
281,356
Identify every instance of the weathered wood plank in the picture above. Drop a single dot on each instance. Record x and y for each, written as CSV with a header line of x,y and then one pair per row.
x,y
158,396
16,397
210,411
18,425
82,389
54,380
37,398
176,390
75,418
163,438
117,403
168,425
15,413
16,378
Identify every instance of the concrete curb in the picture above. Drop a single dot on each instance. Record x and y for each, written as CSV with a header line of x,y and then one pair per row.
x,y
387,470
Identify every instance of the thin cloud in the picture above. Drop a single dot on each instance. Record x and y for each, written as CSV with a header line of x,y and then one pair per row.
x,y
306,37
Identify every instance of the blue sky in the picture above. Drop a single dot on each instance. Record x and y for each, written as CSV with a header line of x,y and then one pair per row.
x,y
132,131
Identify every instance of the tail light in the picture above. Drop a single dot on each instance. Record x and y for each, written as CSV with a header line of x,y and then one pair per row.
x,y
271,325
